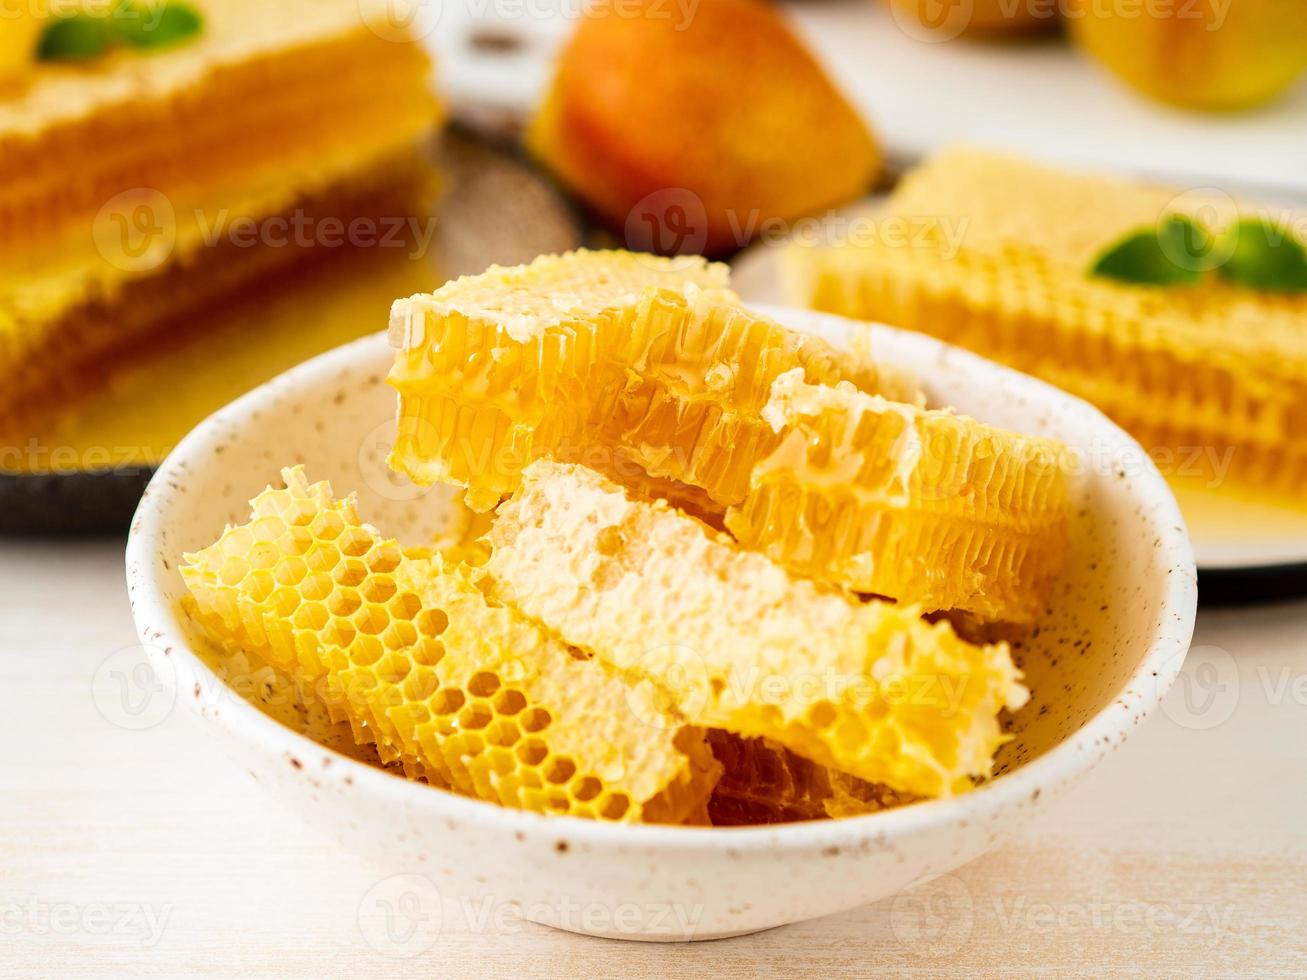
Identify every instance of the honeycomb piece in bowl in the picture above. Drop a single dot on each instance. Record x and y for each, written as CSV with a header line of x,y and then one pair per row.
x,y
632,364
763,782
738,643
466,693
1210,378
926,507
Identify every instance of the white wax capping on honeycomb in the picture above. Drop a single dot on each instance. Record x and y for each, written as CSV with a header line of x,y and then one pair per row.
x,y
925,507
737,643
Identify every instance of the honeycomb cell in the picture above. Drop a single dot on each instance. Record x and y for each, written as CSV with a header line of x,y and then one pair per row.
x,y
405,606
535,720
311,617
427,651
614,806
509,702
533,751
432,622
429,690
297,541
378,588
421,685
355,542
370,620
822,715
475,716
350,573
291,571
327,525
735,642
504,733
483,684
926,507
560,770
642,367
448,701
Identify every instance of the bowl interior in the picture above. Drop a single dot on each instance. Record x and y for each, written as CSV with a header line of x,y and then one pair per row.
x,y
1128,582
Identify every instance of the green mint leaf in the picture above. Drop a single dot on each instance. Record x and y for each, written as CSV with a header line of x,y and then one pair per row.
x,y
1265,257
146,28
75,38
1149,257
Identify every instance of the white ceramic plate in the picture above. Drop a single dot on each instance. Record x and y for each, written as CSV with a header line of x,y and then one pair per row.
x,y
1121,622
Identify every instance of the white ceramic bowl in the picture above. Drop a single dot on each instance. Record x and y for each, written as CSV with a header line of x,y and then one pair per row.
x,y
1115,638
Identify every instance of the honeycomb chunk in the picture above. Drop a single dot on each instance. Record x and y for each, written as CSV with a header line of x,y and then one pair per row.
x,y
1211,379
468,694
737,643
138,191
763,782
265,89
926,507
610,359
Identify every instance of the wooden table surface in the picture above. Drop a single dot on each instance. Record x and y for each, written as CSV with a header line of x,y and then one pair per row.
x,y
143,851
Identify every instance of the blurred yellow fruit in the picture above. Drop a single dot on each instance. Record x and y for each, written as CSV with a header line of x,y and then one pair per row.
x,y
944,19
21,22
696,128
1204,54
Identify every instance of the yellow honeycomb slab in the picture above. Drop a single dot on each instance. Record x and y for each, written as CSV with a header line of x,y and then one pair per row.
x,y
467,694
999,262
634,365
737,643
926,507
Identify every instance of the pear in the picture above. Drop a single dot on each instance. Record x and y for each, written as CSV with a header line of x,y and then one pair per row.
x,y
697,125
1201,54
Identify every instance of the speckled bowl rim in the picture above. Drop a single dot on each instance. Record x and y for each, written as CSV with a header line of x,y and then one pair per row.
x,y
163,635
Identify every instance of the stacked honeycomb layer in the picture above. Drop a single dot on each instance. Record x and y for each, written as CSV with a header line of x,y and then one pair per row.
x,y
469,695
124,183
64,319
763,783
737,643
623,362
262,90
926,507
999,262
